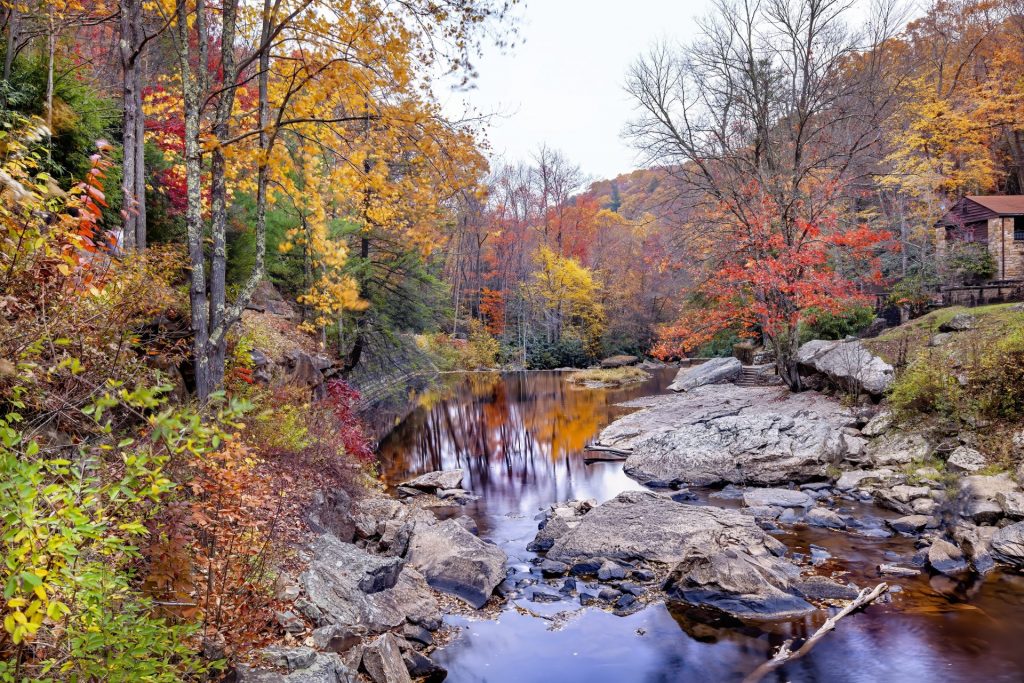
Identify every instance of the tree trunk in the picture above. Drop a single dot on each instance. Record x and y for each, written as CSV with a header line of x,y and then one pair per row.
x,y
198,298
13,33
133,167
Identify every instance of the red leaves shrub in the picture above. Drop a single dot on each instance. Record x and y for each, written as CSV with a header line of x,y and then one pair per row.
x,y
342,399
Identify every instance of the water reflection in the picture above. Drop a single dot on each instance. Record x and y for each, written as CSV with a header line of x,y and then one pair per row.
x,y
520,439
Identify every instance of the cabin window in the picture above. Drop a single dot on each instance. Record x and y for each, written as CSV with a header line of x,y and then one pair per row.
x,y
1018,228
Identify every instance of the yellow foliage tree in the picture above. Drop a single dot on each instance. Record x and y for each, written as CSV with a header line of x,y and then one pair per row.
x,y
566,297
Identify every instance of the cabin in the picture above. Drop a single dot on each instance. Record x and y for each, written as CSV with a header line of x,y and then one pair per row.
x,y
994,220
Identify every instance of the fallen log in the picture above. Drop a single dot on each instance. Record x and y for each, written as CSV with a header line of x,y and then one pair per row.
x,y
786,654
598,448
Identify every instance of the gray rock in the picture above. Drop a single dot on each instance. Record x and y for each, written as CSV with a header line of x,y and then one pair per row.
x,y
905,494
551,569
911,524
721,557
421,666
332,513
382,661
940,339
976,543
417,634
821,588
855,478
714,371
290,658
946,558
924,506
333,584
620,361
1008,545
1012,504
824,517
608,594
961,322
335,638
853,447
878,425
898,448
326,667
610,570
433,481
965,460
977,498
776,497
728,434
455,561
740,584
848,365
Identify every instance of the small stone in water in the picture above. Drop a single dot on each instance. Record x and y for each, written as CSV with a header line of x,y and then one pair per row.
x,y
610,570
609,594
819,555
551,568
632,588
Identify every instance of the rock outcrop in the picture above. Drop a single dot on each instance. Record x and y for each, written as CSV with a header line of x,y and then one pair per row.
x,y
711,556
727,434
847,365
714,371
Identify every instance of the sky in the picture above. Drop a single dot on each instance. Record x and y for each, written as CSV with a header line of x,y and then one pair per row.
x,y
563,83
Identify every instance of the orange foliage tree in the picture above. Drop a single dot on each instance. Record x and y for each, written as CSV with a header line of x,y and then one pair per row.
x,y
769,275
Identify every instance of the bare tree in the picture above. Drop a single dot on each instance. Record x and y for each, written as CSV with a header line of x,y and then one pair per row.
x,y
777,100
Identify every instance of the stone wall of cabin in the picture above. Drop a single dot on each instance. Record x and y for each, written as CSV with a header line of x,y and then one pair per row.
x,y
1009,265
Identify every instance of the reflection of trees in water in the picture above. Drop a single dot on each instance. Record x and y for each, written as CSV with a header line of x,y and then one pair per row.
x,y
508,432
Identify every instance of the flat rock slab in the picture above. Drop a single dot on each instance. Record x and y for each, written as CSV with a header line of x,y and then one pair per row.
x,y
455,561
716,557
729,434
435,481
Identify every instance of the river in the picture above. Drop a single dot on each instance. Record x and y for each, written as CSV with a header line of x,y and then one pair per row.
x,y
520,439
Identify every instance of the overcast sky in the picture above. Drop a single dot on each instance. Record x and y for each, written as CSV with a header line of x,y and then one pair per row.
x,y
563,83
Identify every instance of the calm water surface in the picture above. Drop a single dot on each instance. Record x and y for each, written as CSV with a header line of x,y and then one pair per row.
x,y
520,438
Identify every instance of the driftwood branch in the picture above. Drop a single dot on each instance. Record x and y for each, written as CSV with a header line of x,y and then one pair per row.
x,y
785,655
598,448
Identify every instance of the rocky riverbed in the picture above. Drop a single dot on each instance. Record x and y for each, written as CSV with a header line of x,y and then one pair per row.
x,y
755,506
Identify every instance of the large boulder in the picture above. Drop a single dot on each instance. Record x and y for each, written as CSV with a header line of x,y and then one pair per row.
x,y
848,365
714,371
715,557
346,585
1008,545
978,498
727,434
455,561
382,661
965,460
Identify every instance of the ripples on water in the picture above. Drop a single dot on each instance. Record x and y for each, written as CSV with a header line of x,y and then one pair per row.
x,y
520,438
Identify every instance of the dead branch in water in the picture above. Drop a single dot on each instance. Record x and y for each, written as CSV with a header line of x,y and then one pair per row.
x,y
785,655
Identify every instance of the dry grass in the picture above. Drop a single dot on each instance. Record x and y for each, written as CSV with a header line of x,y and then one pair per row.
x,y
901,344
608,377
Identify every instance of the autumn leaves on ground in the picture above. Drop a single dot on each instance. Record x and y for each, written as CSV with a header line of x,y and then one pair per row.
x,y
160,161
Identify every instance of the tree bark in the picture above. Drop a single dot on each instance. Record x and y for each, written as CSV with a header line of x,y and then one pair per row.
x,y
198,298
133,166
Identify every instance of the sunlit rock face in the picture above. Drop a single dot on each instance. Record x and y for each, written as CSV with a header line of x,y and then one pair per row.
x,y
727,434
